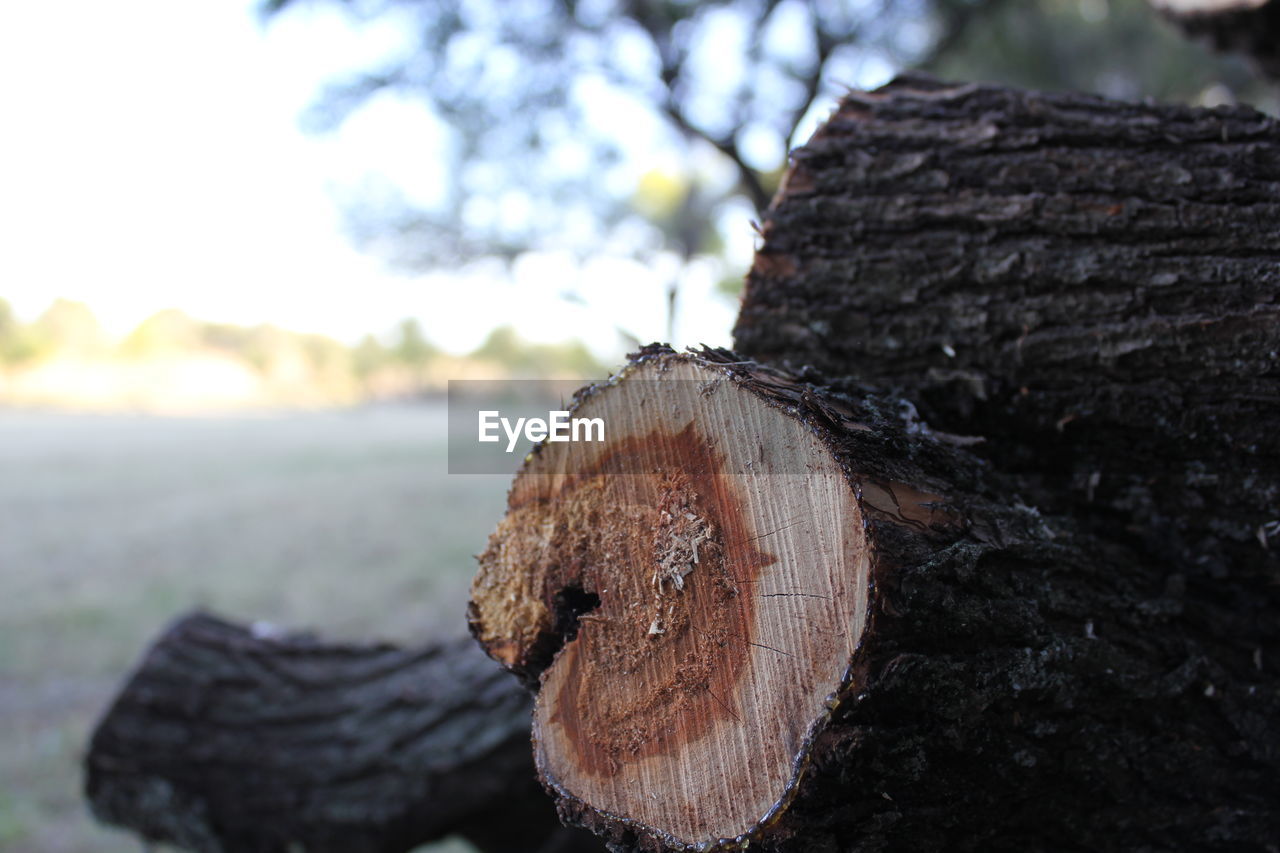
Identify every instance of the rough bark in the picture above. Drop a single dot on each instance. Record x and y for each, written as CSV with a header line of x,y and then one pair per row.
x,y
1251,27
229,740
1008,681
1091,287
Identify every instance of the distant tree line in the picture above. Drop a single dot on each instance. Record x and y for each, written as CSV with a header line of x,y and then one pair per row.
x,y
403,361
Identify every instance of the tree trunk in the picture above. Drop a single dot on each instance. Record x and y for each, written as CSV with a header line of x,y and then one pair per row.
x,y
768,613
228,740
1091,287
1251,27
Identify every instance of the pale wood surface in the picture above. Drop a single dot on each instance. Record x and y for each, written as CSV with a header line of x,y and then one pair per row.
x,y
686,699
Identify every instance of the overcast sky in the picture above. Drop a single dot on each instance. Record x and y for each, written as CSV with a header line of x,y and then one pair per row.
x,y
152,158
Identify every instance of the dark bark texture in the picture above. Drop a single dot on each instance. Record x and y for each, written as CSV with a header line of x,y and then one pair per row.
x,y
1022,685
1092,288
1243,27
228,740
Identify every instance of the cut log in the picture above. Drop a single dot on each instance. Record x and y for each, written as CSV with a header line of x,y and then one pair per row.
x,y
229,740
689,662
1251,27
768,613
1093,287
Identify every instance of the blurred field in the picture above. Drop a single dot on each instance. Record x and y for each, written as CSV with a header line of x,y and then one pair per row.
x,y
344,521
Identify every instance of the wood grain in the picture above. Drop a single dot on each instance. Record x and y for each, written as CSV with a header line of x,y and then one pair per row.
x,y
724,544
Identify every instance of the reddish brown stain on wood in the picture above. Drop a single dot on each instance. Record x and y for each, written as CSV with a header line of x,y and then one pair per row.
x,y
659,663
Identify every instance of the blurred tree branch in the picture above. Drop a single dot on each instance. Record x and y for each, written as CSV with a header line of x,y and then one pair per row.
x,y
1251,27
735,77
555,109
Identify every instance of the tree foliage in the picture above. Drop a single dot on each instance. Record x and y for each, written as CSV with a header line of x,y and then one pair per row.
x,y
517,357
558,110
17,341
1114,48
544,99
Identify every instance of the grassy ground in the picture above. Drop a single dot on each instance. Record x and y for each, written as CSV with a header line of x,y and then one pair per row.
x,y
111,525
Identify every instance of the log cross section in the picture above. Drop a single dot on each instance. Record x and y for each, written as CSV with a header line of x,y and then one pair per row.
x,y
721,549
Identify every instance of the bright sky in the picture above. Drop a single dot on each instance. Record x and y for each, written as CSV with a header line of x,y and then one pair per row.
x,y
151,157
